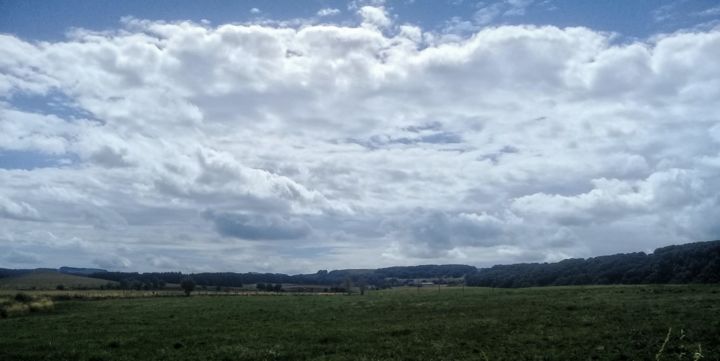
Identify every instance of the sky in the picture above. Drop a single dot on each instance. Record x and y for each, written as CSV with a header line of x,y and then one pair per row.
x,y
293,136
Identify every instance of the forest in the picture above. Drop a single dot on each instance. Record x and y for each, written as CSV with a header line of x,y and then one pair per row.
x,y
689,263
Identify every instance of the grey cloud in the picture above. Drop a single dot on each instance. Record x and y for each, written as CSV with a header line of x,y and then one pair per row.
x,y
433,233
19,257
18,210
259,227
111,158
164,262
376,142
113,262
102,218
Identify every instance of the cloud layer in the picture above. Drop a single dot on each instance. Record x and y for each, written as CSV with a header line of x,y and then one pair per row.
x,y
265,146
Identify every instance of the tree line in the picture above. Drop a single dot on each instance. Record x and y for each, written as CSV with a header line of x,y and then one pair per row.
x,y
689,263
379,278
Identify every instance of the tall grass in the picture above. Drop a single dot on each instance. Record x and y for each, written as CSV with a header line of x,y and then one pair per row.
x,y
23,304
679,351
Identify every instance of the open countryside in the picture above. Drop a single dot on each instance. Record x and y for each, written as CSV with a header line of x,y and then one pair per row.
x,y
360,180
422,313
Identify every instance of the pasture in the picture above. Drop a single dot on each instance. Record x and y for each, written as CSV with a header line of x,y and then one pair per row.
x,y
558,323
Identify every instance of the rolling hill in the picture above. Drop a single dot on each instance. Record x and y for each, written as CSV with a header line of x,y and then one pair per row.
x,y
48,279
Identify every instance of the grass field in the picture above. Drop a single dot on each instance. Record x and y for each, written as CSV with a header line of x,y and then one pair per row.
x,y
49,280
562,323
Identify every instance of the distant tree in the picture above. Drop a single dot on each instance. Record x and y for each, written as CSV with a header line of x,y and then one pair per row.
x,y
277,287
135,285
347,284
260,286
188,285
60,287
157,283
124,284
362,285
23,297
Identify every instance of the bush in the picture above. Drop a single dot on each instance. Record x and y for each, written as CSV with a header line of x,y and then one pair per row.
x,y
17,309
62,297
3,312
23,297
60,287
41,305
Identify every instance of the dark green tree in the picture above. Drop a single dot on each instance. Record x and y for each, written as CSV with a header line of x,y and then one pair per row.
x,y
188,285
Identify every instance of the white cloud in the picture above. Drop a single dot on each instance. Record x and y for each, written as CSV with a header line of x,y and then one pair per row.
x,y
375,16
113,263
488,13
512,143
328,12
712,11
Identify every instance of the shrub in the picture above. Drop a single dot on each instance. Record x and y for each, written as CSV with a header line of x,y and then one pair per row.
x,y
23,297
62,297
17,309
41,305
23,304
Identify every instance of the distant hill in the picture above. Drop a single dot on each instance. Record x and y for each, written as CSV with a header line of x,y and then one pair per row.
x,y
688,263
49,279
9,272
80,271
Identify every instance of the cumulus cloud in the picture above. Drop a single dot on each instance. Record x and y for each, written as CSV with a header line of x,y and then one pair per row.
x,y
375,16
514,142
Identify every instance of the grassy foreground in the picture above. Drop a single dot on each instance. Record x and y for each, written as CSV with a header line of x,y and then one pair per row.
x,y
562,323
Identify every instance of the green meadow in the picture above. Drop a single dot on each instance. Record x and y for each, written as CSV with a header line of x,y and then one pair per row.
x,y
554,323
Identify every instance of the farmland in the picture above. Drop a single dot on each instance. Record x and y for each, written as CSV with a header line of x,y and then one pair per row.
x,y
555,323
